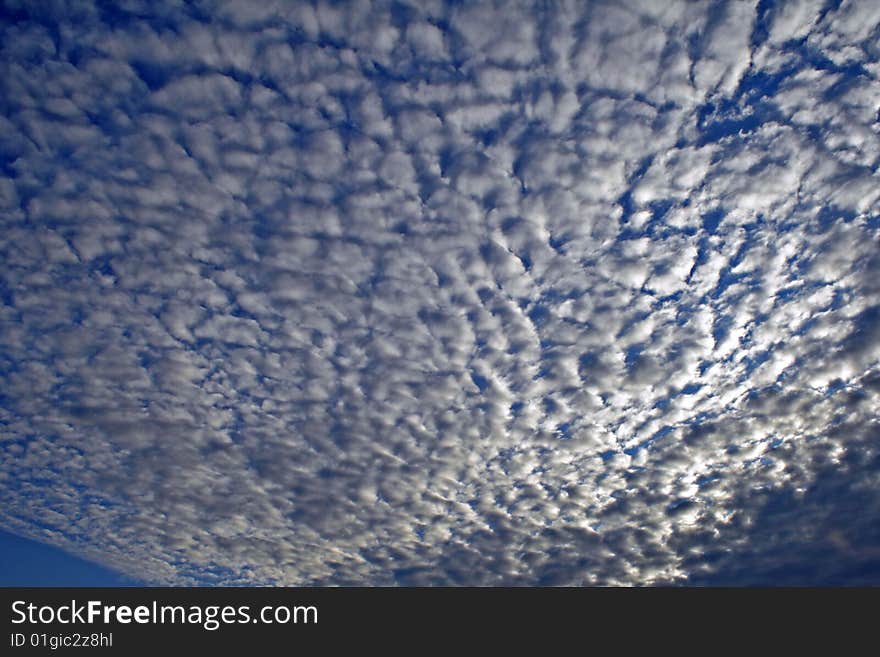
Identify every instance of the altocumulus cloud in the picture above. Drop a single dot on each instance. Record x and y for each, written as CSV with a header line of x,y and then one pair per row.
x,y
443,293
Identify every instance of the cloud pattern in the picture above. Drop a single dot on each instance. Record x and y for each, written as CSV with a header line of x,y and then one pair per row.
x,y
443,293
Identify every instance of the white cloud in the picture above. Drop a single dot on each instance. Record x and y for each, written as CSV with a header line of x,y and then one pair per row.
x,y
465,294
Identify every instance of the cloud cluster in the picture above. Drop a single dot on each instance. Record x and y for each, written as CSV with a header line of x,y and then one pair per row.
x,y
443,293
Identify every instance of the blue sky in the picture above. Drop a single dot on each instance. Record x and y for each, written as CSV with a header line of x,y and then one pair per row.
x,y
25,562
419,293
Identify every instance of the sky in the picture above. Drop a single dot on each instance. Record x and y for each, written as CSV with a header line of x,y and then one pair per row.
x,y
25,562
441,293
